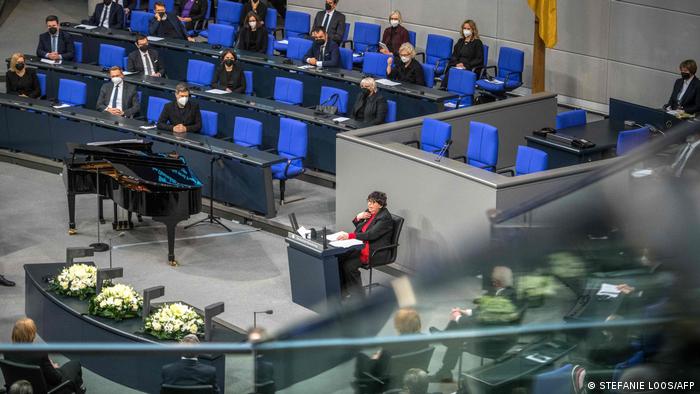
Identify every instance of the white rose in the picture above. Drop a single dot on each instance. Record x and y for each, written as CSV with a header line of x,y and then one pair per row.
x,y
193,329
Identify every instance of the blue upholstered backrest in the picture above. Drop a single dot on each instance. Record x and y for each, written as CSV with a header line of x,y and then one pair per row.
x,y
366,36
391,111
375,64
438,48
556,381
429,75
530,160
247,132
248,82
482,151
42,83
346,58
293,139
486,55
228,12
78,45
271,20
462,82
155,107
341,102
289,91
140,20
221,34
412,38
199,72
434,134
572,118
72,92
298,47
511,60
632,139
111,55
210,122
296,23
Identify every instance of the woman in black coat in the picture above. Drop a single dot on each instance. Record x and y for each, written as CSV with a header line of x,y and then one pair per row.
x,y
229,74
370,107
195,11
374,227
468,52
21,80
253,35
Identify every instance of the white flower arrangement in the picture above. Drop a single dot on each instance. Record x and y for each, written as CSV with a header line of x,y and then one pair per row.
x,y
174,321
77,280
116,302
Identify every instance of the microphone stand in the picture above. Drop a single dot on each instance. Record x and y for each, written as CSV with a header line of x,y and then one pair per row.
x,y
110,247
98,246
255,316
441,153
210,219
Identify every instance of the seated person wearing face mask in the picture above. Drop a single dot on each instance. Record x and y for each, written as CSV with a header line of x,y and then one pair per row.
x,y
253,35
20,80
229,74
166,24
118,97
394,36
55,44
108,14
370,107
332,20
409,70
324,52
468,52
686,90
181,115
145,59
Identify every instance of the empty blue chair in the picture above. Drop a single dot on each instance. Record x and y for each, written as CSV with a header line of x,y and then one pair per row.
x,y
365,39
428,74
528,161
139,21
509,73
557,381
155,107
220,34
335,97
630,140
375,64
297,48
72,92
248,75
247,132
78,45
461,82
482,151
169,5
434,135
227,13
295,24
199,72
438,50
390,111
412,38
573,118
210,122
288,91
271,21
292,145
42,83
346,58
270,45
111,55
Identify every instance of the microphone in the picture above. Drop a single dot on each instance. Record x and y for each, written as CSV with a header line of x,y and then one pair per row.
x,y
256,313
110,246
441,153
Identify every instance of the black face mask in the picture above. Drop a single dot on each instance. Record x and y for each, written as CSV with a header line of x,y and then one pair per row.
x,y
365,92
107,2
53,30
229,62
685,76
254,1
319,41
19,66
161,14
143,48
328,6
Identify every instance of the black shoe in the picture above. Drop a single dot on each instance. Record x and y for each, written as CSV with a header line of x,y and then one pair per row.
x,y
434,330
441,377
6,282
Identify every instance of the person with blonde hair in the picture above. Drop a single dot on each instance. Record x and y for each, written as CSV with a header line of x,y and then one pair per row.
x,y
370,107
395,35
468,52
408,70
24,331
21,80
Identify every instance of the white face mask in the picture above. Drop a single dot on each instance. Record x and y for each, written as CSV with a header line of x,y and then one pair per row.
x,y
405,59
394,22
116,80
182,101
253,25
467,32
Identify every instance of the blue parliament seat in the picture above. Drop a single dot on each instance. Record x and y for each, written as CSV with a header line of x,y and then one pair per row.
x,y
412,38
375,64
630,140
482,149
72,92
271,21
227,13
199,73
365,39
428,74
335,97
42,83
438,50
292,145
78,46
248,83
221,34
528,161
434,136
201,24
296,24
509,73
155,107
461,82
247,132
346,58
572,118
111,55
390,111
210,122
139,21
288,91
297,48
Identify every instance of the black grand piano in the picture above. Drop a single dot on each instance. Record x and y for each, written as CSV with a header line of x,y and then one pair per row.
x,y
161,186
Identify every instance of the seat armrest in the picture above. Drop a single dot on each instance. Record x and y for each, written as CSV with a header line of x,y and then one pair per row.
x,y
289,163
485,71
384,248
506,171
463,158
413,142
279,29
421,54
271,150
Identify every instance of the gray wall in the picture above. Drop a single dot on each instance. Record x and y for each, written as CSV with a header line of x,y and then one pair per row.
x,y
627,49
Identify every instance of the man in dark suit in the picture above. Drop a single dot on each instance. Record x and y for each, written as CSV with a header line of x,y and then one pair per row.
x,y
166,24
375,228
145,59
332,21
108,14
323,53
118,97
462,319
189,371
686,90
55,44
181,115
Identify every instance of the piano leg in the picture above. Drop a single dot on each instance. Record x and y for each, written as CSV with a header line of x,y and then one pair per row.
x,y
100,210
170,224
71,214
131,224
115,223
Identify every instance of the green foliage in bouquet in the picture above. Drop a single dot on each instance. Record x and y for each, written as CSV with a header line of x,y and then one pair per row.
x,y
174,321
77,280
116,302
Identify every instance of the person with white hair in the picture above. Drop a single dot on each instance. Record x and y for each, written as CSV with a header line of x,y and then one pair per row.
x,y
408,69
462,319
370,107
189,371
